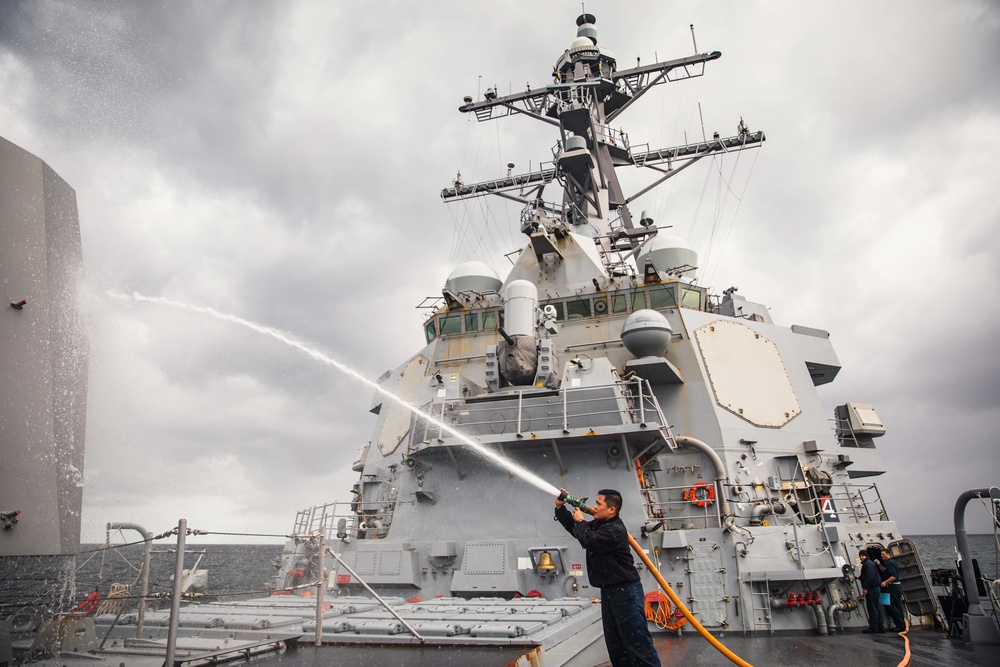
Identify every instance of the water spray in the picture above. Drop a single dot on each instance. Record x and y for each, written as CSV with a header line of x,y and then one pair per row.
x,y
530,477
483,451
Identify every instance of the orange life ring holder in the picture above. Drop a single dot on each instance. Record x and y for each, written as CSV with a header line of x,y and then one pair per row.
x,y
702,494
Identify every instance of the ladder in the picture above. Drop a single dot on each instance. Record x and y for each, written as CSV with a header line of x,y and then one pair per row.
x,y
760,601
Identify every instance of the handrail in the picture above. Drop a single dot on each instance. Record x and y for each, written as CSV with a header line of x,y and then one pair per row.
x,y
628,395
144,579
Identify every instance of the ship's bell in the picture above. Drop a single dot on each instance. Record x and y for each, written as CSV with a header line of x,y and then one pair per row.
x,y
545,563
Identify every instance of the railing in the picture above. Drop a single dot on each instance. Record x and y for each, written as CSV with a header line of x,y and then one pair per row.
x,y
361,520
610,135
864,501
617,404
676,506
668,503
850,502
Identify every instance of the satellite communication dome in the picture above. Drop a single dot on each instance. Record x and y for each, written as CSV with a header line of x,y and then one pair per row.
x,y
582,44
473,276
668,253
646,333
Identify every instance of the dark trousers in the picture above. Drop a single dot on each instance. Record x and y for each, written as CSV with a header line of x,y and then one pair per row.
x,y
895,607
625,632
872,604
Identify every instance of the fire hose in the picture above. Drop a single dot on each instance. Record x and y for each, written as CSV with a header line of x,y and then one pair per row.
x,y
666,588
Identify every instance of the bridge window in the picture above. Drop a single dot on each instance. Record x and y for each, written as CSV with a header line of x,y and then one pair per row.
x,y
619,303
691,298
429,331
450,324
662,297
638,300
490,320
578,309
472,322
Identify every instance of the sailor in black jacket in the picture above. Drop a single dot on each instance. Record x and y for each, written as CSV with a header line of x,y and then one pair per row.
x,y
871,585
610,568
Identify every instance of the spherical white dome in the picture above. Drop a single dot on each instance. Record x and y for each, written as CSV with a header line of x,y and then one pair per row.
x,y
646,333
473,276
582,44
667,253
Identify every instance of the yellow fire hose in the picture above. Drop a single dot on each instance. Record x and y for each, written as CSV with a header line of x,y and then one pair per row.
x,y
684,610
582,505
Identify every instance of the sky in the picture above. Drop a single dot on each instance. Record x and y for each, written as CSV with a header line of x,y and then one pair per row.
x,y
282,162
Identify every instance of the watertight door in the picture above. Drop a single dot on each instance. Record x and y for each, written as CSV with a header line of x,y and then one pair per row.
x,y
917,594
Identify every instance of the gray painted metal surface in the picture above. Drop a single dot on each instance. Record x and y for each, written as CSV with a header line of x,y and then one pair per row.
x,y
43,359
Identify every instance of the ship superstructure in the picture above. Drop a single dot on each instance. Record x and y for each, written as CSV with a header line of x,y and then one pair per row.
x,y
599,362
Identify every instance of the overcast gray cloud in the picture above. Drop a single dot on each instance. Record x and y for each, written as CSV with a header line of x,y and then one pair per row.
x,y
281,161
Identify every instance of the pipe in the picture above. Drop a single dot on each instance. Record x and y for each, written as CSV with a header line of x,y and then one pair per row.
x,y
321,584
680,605
175,598
763,509
144,577
720,468
820,620
833,610
968,576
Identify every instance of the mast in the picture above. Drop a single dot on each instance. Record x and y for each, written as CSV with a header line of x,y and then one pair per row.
x,y
587,93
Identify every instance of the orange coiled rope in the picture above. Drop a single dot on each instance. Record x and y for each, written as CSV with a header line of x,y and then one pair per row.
x,y
658,610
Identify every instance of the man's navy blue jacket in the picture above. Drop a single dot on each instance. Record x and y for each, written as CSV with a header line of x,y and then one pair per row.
x,y
869,575
609,557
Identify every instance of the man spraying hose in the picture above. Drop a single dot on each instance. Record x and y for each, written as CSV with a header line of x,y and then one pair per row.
x,y
610,568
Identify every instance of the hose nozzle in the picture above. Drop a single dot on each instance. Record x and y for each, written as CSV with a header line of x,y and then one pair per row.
x,y
580,503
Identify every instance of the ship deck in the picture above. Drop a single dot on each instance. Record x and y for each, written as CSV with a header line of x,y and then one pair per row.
x,y
927,649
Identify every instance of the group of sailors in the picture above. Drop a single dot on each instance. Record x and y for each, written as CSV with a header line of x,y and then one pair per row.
x,y
880,577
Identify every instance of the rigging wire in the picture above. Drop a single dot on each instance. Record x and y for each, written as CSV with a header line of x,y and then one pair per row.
x,y
739,199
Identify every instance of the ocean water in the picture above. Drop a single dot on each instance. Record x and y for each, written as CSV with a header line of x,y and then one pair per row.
x,y
242,571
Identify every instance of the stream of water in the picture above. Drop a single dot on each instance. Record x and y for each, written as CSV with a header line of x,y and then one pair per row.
x,y
287,339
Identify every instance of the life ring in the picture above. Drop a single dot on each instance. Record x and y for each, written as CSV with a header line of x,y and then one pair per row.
x,y
702,494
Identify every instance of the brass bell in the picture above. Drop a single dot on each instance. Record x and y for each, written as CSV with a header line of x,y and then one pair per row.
x,y
545,562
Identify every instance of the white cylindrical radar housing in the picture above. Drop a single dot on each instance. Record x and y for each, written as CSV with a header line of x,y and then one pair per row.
x,y
520,302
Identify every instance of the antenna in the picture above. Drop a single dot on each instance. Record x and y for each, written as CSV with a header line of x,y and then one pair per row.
x,y
700,116
693,40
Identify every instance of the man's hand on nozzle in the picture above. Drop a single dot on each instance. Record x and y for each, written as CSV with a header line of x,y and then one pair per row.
x,y
577,514
561,498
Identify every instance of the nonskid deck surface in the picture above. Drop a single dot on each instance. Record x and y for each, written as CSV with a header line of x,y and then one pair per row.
x,y
481,631
927,649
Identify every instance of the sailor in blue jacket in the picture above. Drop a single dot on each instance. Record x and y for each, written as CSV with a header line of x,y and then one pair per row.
x,y
892,585
610,568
